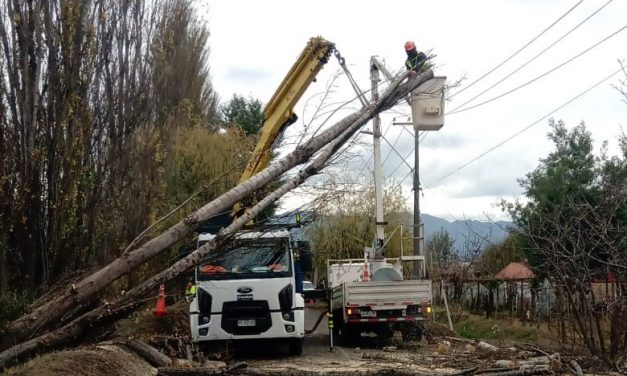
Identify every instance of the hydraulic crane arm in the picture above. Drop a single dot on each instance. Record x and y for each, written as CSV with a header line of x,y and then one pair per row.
x,y
279,112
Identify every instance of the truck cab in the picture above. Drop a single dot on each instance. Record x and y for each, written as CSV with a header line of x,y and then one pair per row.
x,y
251,289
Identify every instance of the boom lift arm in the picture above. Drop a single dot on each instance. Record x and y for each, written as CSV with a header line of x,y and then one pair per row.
x,y
279,112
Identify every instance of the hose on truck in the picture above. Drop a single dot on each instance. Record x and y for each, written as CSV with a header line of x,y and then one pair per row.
x,y
317,323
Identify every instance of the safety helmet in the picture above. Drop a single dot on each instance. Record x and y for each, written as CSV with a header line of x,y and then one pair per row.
x,y
409,45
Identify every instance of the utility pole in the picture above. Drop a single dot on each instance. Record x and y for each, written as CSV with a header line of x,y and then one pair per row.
x,y
416,187
378,177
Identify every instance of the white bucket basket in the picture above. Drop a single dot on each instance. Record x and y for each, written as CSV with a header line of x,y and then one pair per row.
x,y
427,105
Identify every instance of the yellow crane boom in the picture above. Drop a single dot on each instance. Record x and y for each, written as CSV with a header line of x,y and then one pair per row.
x,y
279,112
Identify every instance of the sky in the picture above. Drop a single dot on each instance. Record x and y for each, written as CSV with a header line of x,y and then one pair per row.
x,y
254,43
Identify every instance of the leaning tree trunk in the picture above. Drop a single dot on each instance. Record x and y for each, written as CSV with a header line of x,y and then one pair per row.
x,y
80,292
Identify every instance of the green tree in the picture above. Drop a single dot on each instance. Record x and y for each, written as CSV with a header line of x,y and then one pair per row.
x,y
572,226
90,94
497,256
440,251
247,113
345,223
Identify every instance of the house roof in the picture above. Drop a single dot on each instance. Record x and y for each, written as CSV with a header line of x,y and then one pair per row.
x,y
515,271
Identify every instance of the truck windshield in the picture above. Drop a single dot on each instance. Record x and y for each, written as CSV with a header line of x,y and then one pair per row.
x,y
258,259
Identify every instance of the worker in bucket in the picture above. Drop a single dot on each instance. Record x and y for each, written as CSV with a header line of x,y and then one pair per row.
x,y
190,291
416,62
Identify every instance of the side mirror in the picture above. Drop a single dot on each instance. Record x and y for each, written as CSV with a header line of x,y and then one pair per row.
x,y
305,258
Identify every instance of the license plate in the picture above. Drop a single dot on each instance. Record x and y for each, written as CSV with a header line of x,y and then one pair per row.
x,y
246,323
368,314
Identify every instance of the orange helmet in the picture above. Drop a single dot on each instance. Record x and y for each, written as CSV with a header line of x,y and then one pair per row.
x,y
409,45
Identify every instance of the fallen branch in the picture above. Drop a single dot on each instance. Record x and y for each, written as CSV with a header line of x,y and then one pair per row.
x,y
149,353
464,340
575,368
404,358
467,371
525,372
176,371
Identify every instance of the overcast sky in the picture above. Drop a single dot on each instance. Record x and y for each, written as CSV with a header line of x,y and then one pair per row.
x,y
254,43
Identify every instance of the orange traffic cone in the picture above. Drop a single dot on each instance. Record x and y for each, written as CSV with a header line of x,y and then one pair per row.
x,y
160,309
366,275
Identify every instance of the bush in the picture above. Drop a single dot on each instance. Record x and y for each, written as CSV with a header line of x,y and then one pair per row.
x,y
12,304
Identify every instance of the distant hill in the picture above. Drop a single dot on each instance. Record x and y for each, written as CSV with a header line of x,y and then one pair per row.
x,y
461,231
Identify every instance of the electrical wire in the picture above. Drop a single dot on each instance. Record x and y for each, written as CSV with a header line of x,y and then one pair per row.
x,y
536,56
519,50
457,110
522,130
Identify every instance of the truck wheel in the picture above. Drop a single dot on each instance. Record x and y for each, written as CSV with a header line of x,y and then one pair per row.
x,y
385,332
412,333
296,346
350,335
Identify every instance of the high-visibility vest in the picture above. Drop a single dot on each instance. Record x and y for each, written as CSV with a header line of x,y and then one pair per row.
x,y
420,61
190,291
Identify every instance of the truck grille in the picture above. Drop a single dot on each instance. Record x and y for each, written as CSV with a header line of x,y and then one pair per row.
x,y
234,312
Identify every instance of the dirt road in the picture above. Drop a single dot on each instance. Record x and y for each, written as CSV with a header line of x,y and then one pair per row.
x,y
272,358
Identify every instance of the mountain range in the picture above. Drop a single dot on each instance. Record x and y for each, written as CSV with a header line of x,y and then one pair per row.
x,y
462,231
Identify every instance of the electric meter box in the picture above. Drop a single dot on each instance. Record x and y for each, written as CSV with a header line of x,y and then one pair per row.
x,y
427,105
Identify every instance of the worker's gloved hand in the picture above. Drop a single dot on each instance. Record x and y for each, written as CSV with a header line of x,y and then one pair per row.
x,y
412,73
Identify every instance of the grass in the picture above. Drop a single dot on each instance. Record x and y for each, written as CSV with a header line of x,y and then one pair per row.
x,y
481,328
472,326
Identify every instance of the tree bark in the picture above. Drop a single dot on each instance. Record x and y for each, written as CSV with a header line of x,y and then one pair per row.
x,y
149,353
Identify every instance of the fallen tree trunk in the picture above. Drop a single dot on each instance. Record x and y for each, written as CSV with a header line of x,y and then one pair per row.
x,y
149,353
51,312
59,337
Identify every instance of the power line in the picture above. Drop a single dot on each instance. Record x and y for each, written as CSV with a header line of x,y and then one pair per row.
x,y
457,110
522,130
536,56
372,154
392,146
517,52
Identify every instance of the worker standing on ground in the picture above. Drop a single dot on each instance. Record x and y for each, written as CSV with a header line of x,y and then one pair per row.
x,y
190,291
416,61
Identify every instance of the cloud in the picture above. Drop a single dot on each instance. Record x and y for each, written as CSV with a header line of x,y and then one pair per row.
x,y
248,75
444,141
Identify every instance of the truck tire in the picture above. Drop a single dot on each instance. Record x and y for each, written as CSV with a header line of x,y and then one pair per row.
x,y
296,346
412,332
350,335
385,332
